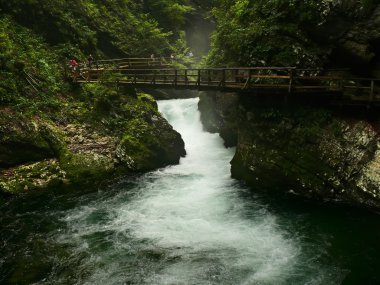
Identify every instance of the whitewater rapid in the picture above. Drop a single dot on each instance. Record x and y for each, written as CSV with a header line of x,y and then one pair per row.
x,y
189,224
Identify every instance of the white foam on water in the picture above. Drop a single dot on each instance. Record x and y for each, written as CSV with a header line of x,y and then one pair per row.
x,y
187,224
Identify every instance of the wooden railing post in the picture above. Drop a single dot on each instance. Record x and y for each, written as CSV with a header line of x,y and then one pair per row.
x,y
199,78
186,79
209,76
248,81
341,85
154,77
290,88
223,81
372,91
175,77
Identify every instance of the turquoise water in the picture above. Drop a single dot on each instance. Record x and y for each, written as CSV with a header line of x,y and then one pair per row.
x,y
185,224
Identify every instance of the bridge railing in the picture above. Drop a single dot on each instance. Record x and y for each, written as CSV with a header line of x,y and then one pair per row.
x,y
362,88
212,77
121,63
284,79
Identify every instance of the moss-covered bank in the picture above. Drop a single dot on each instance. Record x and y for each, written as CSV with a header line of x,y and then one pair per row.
x,y
307,151
109,134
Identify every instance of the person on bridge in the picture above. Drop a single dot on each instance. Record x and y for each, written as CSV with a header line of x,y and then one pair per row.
x,y
74,68
90,60
73,64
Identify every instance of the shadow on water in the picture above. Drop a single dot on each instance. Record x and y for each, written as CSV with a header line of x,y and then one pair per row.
x,y
351,236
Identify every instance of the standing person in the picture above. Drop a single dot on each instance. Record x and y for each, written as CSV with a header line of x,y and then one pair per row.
x,y
73,64
74,68
90,60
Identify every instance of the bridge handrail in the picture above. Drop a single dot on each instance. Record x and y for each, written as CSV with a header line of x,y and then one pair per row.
x,y
321,77
196,69
291,79
133,58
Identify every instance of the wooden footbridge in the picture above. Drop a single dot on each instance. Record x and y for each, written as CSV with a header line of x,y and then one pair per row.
x,y
155,73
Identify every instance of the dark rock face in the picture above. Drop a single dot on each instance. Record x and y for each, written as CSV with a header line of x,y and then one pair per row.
x,y
159,145
22,142
308,152
220,114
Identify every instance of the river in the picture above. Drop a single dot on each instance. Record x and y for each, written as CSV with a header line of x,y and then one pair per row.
x,y
185,224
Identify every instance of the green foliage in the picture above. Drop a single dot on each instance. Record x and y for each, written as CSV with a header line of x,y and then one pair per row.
x,y
170,13
31,76
262,32
369,5
113,27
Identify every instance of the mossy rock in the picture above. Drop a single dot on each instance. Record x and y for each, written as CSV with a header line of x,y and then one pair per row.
x,y
146,98
84,168
32,177
24,140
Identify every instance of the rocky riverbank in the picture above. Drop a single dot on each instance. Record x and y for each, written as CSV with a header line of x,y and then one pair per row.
x,y
91,144
313,152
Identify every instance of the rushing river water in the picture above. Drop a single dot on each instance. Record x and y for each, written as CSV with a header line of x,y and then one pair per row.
x,y
185,224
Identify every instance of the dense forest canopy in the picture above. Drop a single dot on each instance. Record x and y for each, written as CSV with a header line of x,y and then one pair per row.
x,y
113,27
294,33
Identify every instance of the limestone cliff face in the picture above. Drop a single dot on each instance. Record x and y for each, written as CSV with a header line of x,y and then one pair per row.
x,y
304,151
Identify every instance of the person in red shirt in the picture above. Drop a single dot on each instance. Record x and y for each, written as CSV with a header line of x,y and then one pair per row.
x,y
73,64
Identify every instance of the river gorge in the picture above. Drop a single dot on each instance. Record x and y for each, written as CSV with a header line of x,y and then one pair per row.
x,y
185,224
